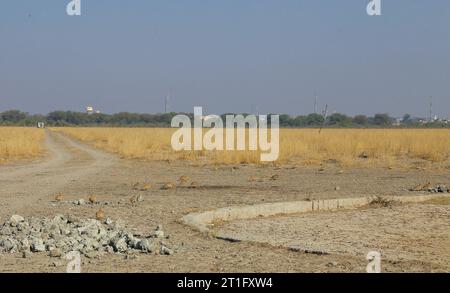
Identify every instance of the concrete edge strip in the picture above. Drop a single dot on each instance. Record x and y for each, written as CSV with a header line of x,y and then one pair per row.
x,y
201,221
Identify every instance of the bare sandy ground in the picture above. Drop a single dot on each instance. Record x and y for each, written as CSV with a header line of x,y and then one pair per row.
x,y
414,232
78,170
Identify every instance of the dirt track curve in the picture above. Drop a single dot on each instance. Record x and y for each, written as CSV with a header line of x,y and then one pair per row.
x,y
78,170
66,162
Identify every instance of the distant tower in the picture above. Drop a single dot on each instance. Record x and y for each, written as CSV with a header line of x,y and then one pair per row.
x,y
315,104
431,109
166,103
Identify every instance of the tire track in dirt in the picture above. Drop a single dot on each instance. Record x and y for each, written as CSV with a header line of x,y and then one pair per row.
x,y
23,185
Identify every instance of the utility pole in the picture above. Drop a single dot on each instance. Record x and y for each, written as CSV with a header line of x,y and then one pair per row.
x,y
431,109
166,103
315,104
324,115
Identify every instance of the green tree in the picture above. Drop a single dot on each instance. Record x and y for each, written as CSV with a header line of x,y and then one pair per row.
x,y
382,120
13,116
339,119
286,120
314,120
360,120
406,119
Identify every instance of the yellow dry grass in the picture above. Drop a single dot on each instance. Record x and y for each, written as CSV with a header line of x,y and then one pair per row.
x,y
381,147
20,143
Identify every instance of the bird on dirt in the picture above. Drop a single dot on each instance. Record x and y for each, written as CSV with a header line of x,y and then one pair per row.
x,y
252,179
100,215
146,186
92,199
168,185
422,187
136,186
364,155
183,179
194,185
275,177
59,197
135,199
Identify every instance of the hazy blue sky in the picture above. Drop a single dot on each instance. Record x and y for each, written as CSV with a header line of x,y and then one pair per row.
x,y
225,55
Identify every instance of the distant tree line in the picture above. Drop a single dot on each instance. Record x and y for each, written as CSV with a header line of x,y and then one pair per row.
x,y
70,118
336,120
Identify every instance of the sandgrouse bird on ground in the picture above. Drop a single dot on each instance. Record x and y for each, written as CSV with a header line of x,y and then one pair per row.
x,y
100,215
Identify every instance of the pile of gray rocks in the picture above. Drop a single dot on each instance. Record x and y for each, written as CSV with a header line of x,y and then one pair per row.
x,y
439,188
64,234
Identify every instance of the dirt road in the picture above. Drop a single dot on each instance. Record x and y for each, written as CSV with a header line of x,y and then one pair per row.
x,y
66,163
78,170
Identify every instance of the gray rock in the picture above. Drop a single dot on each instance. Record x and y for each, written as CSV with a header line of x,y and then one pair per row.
x,y
60,244
144,245
6,231
90,237
22,226
118,224
15,219
37,245
71,219
120,245
59,219
55,252
133,241
7,245
442,188
24,244
165,250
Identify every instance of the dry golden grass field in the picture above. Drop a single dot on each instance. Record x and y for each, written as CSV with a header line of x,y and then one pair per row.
x,y
19,143
145,192
417,148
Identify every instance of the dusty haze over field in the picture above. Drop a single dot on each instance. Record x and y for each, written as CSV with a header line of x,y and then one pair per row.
x,y
240,56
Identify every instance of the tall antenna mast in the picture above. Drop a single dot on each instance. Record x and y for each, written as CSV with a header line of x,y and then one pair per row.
x,y
315,104
431,109
166,103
